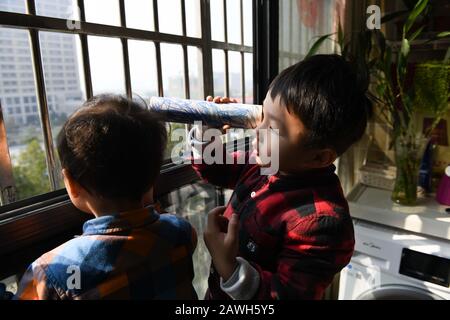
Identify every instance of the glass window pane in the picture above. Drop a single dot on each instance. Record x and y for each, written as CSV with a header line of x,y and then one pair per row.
x,y
63,76
195,73
218,57
176,145
63,9
301,23
173,82
235,74
234,21
144,78
169,14
21,115
248,22
172,70
102,11
217,20
105,55
139,14
193,18
13,6
248,63
193,202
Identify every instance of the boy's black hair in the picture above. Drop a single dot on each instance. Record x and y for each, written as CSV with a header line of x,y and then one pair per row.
x,y
325,93
113,147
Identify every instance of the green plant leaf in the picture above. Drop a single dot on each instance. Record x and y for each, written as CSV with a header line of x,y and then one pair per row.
x,y
317,44
418,9
443,34
447,56
404,51
439,36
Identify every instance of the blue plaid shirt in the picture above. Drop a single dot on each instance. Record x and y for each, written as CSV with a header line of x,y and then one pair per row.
x,y
137,254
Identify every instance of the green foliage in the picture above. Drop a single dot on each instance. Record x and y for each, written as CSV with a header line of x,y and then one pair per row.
x,y
30,173
432,83
317,44
386,77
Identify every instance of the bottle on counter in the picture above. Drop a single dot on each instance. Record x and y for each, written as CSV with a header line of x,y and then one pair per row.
x,y
443,191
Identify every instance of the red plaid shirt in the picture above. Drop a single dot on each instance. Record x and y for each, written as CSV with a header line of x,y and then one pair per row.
x,y
295,230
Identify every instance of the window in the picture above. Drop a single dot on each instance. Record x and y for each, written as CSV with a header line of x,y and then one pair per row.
x,y
132,49
107,73
301,22
26,166
218,57
17,6
64,9
195,63
169,12
218,23
145,48
193,19
193,201
102,11
172,70
139,14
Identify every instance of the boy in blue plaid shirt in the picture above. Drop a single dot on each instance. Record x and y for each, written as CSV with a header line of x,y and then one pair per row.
x,y
111,152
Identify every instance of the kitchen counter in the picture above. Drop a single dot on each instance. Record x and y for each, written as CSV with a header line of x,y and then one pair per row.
x,y
428,217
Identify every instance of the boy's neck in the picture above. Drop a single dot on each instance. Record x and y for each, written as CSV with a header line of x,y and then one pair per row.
x,y
300,171
99,210
102,207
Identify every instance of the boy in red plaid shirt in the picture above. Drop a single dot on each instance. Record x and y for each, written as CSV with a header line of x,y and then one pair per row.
x,y
286,235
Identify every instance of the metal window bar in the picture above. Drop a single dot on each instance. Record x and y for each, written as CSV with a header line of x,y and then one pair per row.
x,y
34,23
126,59
242,53
225,28
158,50
187,91
41,94
30,22
85,54
205,16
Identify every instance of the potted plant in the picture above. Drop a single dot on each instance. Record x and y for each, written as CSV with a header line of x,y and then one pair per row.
x,y
384,69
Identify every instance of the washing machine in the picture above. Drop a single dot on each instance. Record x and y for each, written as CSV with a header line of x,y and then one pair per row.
x,y
390,264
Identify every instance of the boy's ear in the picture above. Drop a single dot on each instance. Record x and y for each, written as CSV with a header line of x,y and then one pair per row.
x,y
324,157
72,187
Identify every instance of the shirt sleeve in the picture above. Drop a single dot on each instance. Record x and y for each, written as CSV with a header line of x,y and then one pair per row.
x,y
35,285
313,252
243,283
224,174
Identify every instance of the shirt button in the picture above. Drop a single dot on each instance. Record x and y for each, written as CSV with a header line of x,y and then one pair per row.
x,y
253,194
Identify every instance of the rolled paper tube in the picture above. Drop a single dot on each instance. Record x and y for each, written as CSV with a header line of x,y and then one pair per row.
x,y
209,113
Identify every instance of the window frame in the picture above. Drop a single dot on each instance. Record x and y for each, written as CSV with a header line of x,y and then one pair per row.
x,y
43,220
34,23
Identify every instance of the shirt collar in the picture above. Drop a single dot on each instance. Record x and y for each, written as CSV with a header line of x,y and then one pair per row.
x,y
119,222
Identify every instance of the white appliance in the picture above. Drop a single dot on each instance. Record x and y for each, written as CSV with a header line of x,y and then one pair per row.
x,y
393,264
